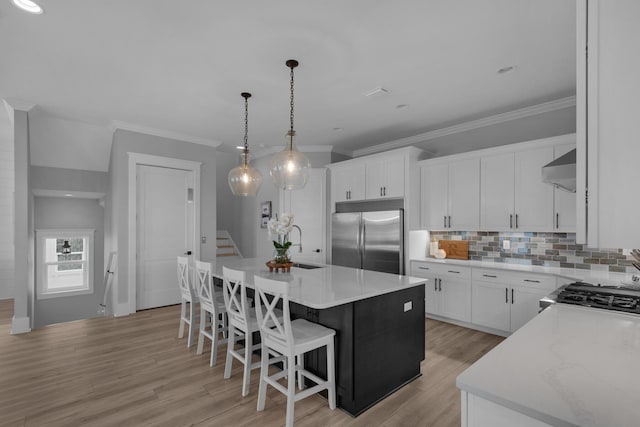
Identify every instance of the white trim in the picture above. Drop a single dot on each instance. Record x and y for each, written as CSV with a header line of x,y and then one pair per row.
x,y
136,159
74,194
163,133
592,137
13,105
121,309
581,119
20,325
475,124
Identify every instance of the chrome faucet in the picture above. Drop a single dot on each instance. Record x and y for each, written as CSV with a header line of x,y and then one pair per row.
x,y
299,244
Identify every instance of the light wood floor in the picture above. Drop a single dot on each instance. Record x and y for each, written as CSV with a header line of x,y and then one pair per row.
x,y
134,371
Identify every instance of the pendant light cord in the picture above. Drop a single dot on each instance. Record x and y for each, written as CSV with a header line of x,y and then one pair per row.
x,y
291,102
246,129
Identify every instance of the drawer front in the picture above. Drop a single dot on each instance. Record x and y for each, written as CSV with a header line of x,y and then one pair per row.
x,y
512,278
421,268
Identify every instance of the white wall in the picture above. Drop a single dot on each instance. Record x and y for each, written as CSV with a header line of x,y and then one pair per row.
x,y
6,207
68,144
117,202
65,213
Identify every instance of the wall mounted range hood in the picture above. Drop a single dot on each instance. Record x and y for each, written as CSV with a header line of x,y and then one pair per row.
x,y
561,172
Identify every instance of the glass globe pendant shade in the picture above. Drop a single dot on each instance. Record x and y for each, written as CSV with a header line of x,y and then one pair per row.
x,y
244,179
290,168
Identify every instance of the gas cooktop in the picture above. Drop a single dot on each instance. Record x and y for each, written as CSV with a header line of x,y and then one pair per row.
x,y
618,298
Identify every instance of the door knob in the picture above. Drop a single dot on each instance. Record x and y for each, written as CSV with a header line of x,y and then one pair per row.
x,y
188,253
317,250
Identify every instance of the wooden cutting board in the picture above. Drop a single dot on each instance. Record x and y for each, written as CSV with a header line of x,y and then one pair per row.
x,y
457,249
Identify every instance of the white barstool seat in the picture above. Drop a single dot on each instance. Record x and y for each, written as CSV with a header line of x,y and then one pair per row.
x,y
212,311
188,297
242,323
290,339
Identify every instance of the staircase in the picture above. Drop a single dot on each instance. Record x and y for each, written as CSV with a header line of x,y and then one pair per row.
x,y
225,246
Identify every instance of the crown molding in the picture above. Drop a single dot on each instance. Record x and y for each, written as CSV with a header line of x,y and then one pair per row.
x,y
545,107
163,133
266,151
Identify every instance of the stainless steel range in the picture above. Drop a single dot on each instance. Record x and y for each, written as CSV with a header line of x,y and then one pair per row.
x,y
624,298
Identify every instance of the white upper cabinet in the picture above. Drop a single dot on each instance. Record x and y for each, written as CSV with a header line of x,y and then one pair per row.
x,y
497,187
451,195
564,201
533,209
513,196
607,122
348,182
385,177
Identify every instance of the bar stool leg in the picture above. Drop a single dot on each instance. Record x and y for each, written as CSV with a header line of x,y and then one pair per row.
x,y
230,345
331,375
246,375
291,392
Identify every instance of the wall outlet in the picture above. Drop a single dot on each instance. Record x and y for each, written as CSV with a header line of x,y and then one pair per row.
x,y
203,239
408,306
506,244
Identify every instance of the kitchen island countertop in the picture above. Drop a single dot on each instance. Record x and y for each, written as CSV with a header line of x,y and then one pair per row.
x,y
327,286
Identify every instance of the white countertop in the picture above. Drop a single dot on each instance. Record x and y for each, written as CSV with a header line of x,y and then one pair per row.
x,y
325,287
569,366
589,276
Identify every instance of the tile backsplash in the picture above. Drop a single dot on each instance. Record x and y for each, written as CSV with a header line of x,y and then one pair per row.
x,y
548,249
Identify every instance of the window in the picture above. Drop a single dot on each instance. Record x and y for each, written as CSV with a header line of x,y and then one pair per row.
x,y
65,262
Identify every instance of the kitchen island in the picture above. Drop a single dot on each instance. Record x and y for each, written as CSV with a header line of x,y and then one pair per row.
x,y
378,319
569,366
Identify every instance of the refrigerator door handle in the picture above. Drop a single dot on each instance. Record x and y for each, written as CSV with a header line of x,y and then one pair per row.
x,y
363,249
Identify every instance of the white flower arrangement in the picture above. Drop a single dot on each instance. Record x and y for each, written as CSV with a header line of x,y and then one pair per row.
x,y
280,228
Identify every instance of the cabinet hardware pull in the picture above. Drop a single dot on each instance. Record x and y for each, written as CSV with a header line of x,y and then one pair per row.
x,y
489,275
506,295
557,220
449,221
532,281
424,268
445,221
512,298
435,285
516,220
384,192
453,271
440,285
380,191
510,220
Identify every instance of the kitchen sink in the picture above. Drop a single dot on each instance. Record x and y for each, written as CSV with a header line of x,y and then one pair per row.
x,y
306,266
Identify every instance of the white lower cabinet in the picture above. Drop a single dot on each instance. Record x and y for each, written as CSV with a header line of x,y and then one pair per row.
x,y
506,300
448,292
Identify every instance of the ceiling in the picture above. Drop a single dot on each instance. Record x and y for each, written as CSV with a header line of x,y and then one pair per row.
x,y
180,66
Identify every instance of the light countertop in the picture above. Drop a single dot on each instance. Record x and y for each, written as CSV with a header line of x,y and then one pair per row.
x,y
569,366
325,287
589,276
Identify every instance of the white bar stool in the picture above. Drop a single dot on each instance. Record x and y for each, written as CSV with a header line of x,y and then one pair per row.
x,y
291,339
242,323
187,297
212,311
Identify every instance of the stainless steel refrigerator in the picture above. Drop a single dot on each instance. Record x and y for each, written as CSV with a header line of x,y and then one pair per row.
x,y
369,240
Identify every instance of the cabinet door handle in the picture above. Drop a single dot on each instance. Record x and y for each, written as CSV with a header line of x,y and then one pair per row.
x,y
512,297
384,191
435,285
424,268
489,275
449,221
557,220
440,285
516,220
453,271
445,221
506,295
532,281
510,220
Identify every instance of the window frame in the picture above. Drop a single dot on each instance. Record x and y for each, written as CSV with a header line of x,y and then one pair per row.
x,y
42,289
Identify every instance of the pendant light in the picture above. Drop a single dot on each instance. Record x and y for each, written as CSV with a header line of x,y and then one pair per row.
x,y
245,180
66,248
290,168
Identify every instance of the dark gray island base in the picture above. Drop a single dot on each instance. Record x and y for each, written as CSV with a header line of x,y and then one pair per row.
x,y
379,345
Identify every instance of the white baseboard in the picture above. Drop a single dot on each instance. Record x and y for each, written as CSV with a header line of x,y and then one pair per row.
x,y
20,325
121,310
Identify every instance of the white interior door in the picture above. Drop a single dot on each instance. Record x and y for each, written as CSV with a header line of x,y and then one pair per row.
x,y
165,230
308,206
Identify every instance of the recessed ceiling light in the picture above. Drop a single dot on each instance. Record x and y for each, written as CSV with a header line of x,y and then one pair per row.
x,y
376,91
506,70
28,6
402,106
240,147
68,195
